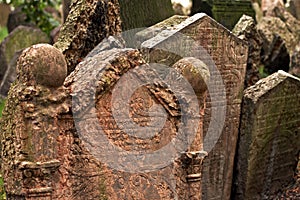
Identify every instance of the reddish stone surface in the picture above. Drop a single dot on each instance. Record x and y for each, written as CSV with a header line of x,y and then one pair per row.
x,y
230,57
47,133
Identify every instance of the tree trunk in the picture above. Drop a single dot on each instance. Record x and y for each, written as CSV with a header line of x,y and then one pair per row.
x,y
144,13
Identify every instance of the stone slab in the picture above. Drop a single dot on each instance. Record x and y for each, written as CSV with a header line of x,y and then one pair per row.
x,y
21,38
246,29
269,140
87,24
229,54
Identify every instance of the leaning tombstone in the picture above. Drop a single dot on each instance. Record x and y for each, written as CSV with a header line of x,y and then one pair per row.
x,y
246,30
87,24
10,75
22,37
226,57
269,141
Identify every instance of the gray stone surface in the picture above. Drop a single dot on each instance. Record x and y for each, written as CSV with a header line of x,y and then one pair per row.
x,y
87,24
10,74
246,30
269,137
17,18
22,37
230,56
280,31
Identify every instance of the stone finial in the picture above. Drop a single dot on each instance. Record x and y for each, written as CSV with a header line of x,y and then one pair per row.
x,y
42,64
195,71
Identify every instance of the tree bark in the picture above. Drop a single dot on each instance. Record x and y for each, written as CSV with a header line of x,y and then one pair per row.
x,y
144,13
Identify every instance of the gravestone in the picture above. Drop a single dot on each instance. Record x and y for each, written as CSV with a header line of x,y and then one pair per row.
x,y
246,30
29,127
4,10
87,24
22,37
280,33
17,18
210,42
10,74
228,12
280,28
269,137
167,24
50,130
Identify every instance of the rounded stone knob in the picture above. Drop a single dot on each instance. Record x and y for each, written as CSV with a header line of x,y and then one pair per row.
x,y
43,63
195,71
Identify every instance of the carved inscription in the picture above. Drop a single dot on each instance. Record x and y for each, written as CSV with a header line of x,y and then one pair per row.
x,y
270,141
229,55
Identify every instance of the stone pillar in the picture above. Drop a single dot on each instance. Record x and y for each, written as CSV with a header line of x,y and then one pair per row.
x,y
29,147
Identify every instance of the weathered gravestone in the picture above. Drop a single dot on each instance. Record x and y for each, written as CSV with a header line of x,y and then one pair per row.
x,y
87,24
30,125
229,12
280,33
22,37
269,137
17,18
246,30
52,135
209,41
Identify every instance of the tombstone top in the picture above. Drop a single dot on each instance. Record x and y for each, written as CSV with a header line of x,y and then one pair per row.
x,y
42,64
189,22
167,24
267,84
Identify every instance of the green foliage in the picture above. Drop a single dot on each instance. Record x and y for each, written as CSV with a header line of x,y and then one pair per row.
x,y
2,104
2,192
3,33
36,13
262,72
